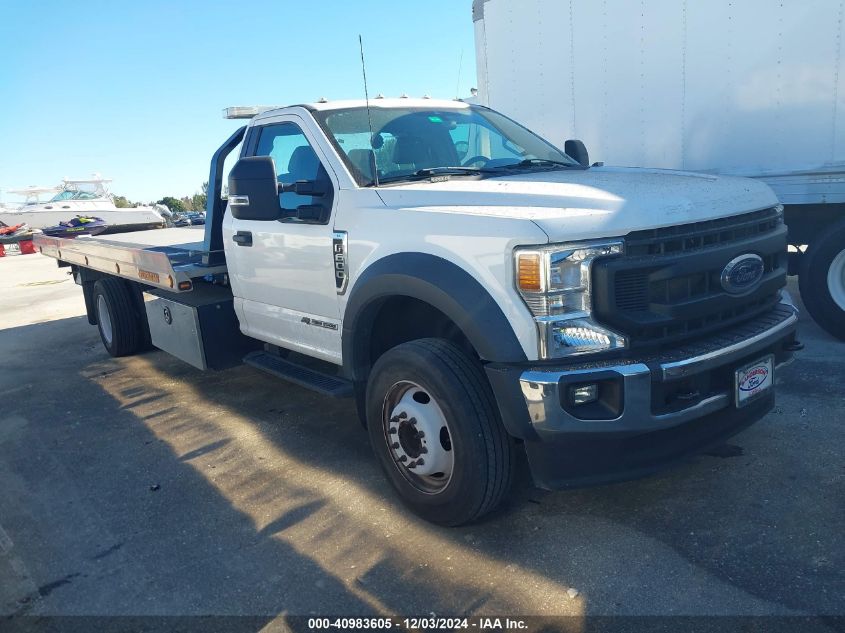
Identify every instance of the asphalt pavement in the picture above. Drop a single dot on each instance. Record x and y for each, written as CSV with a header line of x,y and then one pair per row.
x,y
142,486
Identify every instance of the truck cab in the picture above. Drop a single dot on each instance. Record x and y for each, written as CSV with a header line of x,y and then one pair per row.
x,y
480,292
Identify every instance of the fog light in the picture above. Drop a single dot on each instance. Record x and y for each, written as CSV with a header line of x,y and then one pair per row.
x,y
583,394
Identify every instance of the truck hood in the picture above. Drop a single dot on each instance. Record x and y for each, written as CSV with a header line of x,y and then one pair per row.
x,y
584,204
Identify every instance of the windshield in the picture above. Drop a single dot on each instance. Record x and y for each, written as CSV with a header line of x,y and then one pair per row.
x,y
64,195
414,142
74,195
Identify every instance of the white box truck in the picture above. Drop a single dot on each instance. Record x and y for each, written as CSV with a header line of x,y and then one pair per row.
x,y
751,88
478,292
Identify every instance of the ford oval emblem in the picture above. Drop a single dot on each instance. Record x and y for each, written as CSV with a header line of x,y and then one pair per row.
x,y
742,273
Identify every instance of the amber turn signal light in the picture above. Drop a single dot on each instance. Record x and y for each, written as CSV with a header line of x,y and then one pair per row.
x,y
528,272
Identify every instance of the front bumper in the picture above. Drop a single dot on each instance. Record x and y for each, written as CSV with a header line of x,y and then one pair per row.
x,y
657,408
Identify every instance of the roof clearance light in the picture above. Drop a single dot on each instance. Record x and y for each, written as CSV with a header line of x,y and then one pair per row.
x,y
245,112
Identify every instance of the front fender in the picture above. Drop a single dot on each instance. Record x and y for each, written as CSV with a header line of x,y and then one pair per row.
x,y
439,283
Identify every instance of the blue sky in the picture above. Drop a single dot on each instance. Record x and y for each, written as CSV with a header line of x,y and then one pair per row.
x,y
134,90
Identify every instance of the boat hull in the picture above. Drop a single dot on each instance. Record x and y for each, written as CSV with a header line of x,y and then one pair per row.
x,y
120,221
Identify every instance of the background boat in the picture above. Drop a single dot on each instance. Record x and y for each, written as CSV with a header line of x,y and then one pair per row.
x,y
89,197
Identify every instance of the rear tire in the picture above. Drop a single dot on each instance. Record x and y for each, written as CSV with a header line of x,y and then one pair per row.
x,y
449,456
120,327
822,280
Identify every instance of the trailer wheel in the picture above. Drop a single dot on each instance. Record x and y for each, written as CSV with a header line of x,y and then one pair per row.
x,y
117,320
436,432
822,280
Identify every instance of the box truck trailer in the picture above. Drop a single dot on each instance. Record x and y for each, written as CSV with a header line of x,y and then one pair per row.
x,y
752,88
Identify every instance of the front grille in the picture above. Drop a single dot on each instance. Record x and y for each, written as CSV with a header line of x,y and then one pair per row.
x,y
701,235
667,287
634,293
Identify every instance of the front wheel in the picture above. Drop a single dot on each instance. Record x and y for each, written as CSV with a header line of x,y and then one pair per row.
x,y
822,280
436,432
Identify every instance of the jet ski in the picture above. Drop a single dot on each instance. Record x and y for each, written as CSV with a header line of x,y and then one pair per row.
x,y
80,225
14,234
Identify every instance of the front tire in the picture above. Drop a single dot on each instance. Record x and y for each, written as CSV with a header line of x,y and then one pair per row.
x,y
121,329
436,432
822,280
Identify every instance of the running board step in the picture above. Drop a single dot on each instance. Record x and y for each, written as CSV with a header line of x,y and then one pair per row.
x,y
303,376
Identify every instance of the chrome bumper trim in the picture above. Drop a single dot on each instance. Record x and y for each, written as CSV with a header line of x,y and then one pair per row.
x,y
540,388
681,368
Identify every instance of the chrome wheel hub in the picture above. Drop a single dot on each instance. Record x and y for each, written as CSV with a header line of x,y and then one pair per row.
x,y
418,436
104,318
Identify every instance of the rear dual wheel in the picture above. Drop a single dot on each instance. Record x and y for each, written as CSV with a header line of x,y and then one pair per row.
x,y
436,432
122,329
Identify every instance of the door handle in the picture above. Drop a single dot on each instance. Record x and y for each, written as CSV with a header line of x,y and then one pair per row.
x,y
242,238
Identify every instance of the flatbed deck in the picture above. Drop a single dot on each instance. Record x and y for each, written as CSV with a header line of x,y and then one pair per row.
x,y
165,258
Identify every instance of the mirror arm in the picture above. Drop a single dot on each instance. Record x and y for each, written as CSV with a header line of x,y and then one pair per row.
x,y
301,187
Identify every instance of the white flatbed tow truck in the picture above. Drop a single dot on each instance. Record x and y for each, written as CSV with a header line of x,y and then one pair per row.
x,y
476,290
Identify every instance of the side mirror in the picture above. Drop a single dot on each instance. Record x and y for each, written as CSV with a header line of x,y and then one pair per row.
x,y
577,150
253,189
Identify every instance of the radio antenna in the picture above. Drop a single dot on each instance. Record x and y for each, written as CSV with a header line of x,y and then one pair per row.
x,y
369,118
460,67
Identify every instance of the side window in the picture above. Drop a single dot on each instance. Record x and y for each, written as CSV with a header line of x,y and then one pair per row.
x,y
295,160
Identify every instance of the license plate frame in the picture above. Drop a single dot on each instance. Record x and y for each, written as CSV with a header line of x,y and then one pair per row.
x,y
754,380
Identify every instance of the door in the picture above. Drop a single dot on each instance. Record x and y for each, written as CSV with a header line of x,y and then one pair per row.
x,y
282,271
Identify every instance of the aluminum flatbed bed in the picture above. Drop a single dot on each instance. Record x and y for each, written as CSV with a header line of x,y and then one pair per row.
x,y
166,258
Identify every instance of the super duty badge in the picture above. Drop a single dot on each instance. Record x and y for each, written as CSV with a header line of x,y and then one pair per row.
x,y
339,255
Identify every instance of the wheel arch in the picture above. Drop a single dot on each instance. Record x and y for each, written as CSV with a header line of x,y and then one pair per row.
x,y
806,222
425,280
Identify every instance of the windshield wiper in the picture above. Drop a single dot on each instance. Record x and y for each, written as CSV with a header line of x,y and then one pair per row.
x,y
428,172
537,162
448,171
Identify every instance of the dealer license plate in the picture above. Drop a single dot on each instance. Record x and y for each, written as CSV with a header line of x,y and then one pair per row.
x,y
754,380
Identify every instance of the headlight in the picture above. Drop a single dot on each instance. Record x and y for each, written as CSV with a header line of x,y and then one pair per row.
x,y
555,283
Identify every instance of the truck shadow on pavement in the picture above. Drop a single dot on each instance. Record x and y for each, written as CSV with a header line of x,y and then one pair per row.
x,y
155,488
104,519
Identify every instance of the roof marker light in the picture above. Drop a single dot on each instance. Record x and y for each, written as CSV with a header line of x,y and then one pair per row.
x,y
245,112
